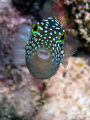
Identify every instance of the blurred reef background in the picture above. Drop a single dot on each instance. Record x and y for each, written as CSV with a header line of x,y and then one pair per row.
x,y
66,95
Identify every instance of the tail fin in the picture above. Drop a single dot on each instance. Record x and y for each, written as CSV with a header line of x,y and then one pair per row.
x,y
18,50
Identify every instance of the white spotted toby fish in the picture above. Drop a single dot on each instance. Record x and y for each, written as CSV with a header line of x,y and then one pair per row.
x,y
45,45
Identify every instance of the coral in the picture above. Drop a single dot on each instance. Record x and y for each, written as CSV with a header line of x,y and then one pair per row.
x,y
20,101
7,109
59,11
28,6
81,12
67,94
75,14
15,82
9,22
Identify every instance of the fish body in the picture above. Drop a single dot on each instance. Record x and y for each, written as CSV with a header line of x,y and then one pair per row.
x,y
47,45
44,50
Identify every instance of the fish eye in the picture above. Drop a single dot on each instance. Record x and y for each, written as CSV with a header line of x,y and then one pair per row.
x,y
63,36
35,28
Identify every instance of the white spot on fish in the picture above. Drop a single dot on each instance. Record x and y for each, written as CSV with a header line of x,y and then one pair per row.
x,y
57,28
38,33
57,41
50,28
46,27
59,33
51,33
55,32
63,30
41,35
62,51
49,36
45,20
53,25
44,37
53,39
42,23
45,34
40,28
57,21
50,18
56,24
45,31
46,24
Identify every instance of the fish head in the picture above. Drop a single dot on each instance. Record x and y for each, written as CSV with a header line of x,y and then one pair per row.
x,y
48,34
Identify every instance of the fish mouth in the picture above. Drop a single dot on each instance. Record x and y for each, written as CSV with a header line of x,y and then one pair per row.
x,y
43,54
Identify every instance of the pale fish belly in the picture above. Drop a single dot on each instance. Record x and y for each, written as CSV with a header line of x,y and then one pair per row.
x,y
40,65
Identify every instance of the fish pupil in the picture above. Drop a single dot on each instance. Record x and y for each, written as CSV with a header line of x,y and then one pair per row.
x,y
62,37
35,27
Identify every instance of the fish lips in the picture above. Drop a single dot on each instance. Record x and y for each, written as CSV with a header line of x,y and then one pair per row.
x,y
43,54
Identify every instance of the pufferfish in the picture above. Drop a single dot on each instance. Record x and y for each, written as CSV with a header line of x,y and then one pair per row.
x,y
43,46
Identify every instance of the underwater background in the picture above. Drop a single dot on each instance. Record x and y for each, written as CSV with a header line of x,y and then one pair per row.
x,y
66,95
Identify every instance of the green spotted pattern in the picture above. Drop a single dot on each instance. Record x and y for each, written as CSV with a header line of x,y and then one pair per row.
x,y
50,34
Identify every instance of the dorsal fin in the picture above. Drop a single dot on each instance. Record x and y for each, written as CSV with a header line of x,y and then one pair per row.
x,y
47,11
